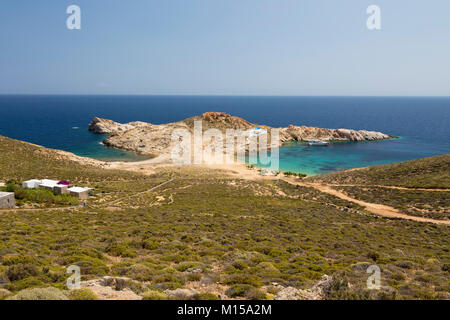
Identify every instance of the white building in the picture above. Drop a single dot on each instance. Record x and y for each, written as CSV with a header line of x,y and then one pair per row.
x,y
48,184
80,193
7,200
255,132
53,185
31,184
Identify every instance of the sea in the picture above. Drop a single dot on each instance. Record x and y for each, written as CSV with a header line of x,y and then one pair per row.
x,y
422,124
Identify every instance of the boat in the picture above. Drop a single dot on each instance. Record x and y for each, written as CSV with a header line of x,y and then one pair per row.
x,y
317,143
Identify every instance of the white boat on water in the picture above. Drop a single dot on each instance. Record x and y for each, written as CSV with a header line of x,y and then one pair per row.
x,y
317,143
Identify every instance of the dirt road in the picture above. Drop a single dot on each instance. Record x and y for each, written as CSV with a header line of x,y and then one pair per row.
x,y
379,209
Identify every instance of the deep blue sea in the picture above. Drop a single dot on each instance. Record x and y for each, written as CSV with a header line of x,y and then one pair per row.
x,y
61,122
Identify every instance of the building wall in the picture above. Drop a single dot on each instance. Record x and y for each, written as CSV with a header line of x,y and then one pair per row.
x,y
7,201
61,190
30,184
80,195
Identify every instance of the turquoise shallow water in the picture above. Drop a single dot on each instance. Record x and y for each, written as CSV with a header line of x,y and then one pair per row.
x,y
94,148
61,122
312,160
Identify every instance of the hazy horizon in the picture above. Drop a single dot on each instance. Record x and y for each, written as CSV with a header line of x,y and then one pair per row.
x,y
218,95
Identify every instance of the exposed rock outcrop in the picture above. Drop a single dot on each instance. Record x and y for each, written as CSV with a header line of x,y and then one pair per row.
x,y
226,120
181,294
303,133
99,125
317,292
114,288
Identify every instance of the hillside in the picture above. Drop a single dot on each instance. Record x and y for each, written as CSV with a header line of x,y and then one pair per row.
x,y
212,234
418,187
22,161
432,172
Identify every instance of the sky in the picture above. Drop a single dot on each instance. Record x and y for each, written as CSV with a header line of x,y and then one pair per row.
x,y
226,47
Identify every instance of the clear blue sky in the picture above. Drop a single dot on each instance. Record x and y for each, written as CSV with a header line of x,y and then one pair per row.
x,y
236,47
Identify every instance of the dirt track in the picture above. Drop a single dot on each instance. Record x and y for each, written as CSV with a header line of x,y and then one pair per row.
x,y
379,209
386,187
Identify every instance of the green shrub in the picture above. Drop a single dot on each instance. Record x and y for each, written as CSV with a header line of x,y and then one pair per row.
x,y
243,279
154,295
240,264
405,264
194,277
170,281
238,290
121,250
82,294
11,186
26,283
87,264
373,255
205,296
39,294
186,265
44,196
295,174
9,260
150,244
255,294
140,272
20,271
187,238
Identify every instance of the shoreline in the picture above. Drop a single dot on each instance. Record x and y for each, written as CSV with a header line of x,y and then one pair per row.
x,y
149,166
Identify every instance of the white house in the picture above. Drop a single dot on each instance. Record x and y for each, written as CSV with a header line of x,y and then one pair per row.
x,y
80,193
7,200
48,184
31,184
58,187
255,132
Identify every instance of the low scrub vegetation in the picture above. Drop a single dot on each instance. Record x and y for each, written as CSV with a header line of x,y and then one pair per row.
x,y
294,174
432,172
231,237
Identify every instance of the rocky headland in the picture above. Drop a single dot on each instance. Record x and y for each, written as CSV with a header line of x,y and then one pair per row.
x,y
156,140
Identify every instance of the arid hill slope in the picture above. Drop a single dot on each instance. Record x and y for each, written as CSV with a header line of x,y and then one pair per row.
x,y
432,172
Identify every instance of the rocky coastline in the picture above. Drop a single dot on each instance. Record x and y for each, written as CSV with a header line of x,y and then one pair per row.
x,y
155,140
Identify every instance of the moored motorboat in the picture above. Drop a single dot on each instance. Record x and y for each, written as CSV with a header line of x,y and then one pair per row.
x,y
317,143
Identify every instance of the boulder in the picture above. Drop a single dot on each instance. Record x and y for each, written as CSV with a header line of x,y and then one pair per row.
x,y
317,292
115,288
182,294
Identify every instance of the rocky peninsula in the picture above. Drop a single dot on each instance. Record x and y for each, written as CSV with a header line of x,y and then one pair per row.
x,y
155,140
